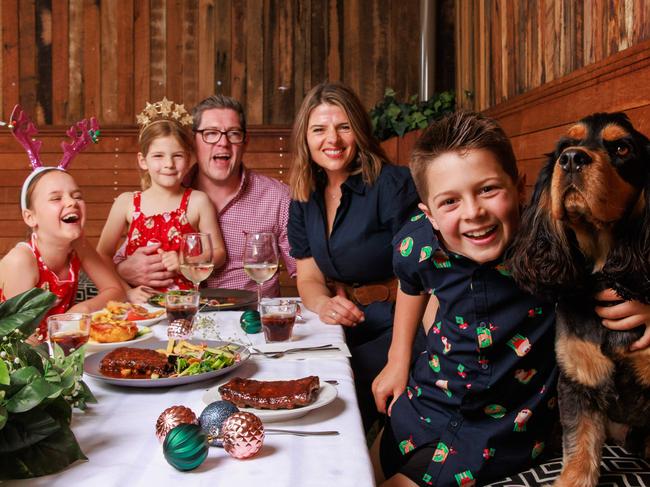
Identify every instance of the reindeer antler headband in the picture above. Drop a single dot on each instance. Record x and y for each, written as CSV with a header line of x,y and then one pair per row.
x,y
82,134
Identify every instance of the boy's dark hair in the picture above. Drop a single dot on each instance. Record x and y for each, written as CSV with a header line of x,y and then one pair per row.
x,y
460,132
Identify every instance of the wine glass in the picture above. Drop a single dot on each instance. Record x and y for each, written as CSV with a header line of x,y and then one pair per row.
x,y
196,257
260,258
70,331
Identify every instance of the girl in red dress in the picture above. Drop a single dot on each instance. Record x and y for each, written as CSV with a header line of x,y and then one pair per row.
x,y
165,210
54,209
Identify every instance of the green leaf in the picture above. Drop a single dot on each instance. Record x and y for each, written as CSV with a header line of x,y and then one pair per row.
x,y
32,395
26,429
25,311
389,93
3,416
4,373
393,110
24,376
48,456
60,410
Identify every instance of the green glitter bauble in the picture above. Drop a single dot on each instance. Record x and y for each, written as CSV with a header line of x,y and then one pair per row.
x,y
185,447
250,321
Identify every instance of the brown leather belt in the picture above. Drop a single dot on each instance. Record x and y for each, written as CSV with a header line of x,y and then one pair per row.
x,y
365,294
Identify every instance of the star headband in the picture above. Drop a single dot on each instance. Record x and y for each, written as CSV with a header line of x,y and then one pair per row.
x,y
82,134
163,110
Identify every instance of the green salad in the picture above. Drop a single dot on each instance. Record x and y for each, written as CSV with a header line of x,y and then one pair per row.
x,y
189,359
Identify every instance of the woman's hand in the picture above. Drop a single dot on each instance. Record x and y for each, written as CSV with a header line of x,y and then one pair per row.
x,y
625,316
391,382
341,311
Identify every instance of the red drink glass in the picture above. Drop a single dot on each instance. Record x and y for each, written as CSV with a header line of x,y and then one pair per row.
x,y
278,318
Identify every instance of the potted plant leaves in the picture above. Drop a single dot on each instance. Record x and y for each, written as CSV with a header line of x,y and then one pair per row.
x,y
37,393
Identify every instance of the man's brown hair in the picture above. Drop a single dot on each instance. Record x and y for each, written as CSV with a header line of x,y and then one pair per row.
x,y
460,132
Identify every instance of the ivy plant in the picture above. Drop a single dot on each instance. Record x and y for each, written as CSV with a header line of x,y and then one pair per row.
x,y
37,393
391,117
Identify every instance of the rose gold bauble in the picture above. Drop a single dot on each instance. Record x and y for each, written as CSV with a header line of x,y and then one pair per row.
x,y
172,417
243,435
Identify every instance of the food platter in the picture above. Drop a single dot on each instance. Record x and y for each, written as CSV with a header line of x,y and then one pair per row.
x,y
144,334
326,395
217,300
91,367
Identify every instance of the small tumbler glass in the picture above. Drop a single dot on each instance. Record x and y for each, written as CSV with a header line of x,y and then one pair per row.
x,y
278,318
181,307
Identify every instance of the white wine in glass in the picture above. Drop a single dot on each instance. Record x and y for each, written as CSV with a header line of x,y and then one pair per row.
x,y
196,257
260,258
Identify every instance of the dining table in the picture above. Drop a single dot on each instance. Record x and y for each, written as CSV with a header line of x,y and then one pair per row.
x,y
117,434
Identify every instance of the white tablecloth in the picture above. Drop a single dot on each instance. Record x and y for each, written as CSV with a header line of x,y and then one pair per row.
x,y
117,434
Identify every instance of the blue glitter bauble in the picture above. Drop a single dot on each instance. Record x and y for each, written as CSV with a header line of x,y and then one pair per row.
x,y
213,417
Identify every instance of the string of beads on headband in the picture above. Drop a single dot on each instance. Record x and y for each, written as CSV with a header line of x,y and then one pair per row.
x,y
163,110
81,134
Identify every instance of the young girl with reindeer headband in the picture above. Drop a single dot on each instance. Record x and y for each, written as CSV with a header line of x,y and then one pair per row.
x,y
164,210
54,209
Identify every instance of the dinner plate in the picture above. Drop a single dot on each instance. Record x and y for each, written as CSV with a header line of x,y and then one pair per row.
x,y
149,321
91,367
93,346
229,299
326,394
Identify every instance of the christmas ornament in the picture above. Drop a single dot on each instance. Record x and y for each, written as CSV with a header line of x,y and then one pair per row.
x,y
172,417
242,435
250,321
185,447
212,419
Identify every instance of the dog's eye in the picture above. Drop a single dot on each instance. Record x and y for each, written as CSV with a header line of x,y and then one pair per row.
x,y
622,150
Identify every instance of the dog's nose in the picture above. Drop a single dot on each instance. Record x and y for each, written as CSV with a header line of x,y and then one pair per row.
x,y
573,160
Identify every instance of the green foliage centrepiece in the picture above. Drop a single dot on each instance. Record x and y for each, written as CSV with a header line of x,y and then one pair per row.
x,y
37,393
391,117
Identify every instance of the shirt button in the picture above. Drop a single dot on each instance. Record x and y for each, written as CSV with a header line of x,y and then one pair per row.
x,y
454,424
484,366
482,323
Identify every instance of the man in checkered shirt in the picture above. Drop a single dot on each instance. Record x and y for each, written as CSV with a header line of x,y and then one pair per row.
x,y
245,201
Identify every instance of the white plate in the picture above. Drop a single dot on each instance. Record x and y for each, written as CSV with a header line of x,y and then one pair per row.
x,y
150,321
91,367
326,395
93,346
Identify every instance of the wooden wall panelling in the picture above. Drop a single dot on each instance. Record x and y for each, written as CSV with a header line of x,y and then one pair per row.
x,y
75,64
141,55
533,43
10,63
254,80
91,58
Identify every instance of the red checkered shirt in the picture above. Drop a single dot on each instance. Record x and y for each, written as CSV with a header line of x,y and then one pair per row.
x,y
260,205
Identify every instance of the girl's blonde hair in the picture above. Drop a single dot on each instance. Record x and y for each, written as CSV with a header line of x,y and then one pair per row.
x,y
370,156
163,128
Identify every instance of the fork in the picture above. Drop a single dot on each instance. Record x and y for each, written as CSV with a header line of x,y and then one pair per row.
x,y
275,431
328,346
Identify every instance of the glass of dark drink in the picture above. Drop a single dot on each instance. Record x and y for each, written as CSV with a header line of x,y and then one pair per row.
x,y
181,307
278,318
70,331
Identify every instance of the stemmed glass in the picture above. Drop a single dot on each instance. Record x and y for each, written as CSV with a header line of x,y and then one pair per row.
x,y
196,257
260,258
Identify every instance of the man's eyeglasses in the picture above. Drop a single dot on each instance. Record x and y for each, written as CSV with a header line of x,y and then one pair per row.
x,y
212,136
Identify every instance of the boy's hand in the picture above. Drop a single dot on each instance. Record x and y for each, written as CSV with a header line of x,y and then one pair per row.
x,y
391,382
625,316
170,260
339,310
139,294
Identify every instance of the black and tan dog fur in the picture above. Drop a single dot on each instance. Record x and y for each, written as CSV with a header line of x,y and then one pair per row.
x,y
588,228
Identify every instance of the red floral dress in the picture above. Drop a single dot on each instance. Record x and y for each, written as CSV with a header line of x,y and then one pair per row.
x,y
164,228
64,289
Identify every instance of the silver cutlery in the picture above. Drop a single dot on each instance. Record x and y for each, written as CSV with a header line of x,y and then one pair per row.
x,y
274,431
281,353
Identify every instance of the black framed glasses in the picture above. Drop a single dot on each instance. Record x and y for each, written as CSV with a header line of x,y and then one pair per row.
x,y
212,136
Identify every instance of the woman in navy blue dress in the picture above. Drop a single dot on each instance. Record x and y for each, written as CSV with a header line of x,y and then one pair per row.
x,y
347,203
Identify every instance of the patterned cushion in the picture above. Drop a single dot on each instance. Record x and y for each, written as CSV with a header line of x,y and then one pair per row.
x,y
617,468
86,288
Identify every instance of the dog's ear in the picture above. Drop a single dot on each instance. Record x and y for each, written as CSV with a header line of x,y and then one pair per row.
x,y
542,259
628,264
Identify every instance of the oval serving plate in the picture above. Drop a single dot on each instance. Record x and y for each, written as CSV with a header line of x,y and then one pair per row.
x,y
228,300
326,395
91,367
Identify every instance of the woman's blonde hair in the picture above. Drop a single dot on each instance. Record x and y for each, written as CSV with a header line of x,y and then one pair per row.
x,y
163,128
370,156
